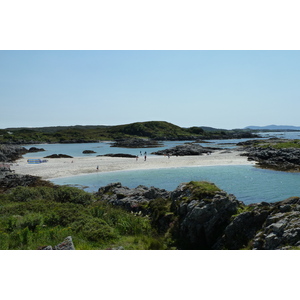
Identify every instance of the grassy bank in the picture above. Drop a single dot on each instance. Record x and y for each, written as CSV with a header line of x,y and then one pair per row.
x,y
35,217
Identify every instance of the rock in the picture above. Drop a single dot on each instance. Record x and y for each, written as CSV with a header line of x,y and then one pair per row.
x,y
137,143
284,159
88,152
34,149
118,155
198,215
202,220
67,244
10,153
130,199
186,149
8,181
58,156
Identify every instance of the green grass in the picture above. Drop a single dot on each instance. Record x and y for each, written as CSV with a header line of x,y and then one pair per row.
x,y
202,189
31,218
279,144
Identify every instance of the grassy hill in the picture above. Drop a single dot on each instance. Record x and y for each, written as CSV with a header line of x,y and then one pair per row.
x,y
159,130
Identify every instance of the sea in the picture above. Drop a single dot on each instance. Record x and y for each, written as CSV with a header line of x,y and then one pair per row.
x,y
247,182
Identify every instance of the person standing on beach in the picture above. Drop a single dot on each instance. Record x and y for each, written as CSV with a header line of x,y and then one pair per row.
x,y
145,157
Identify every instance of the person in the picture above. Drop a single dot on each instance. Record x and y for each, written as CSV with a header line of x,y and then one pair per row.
x,y
97,168
145,157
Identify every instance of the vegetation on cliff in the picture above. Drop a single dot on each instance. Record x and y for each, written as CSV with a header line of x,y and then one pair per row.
x,y
197,215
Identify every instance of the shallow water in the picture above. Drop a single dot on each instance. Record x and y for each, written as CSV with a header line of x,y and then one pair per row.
x,y
249,184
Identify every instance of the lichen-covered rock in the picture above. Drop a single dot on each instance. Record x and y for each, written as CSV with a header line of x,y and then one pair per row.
x,y
67,244
130,199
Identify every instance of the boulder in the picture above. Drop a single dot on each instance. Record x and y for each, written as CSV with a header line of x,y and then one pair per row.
x,y
58,156
119,155
34,149
88,152
67,244
130,199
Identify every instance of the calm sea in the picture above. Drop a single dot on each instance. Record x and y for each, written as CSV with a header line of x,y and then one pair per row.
x,y
248,183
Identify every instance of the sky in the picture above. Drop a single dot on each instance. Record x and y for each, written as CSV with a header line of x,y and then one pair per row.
x,y
221,89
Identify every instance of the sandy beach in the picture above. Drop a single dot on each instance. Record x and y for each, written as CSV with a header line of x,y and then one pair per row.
x,y
66,167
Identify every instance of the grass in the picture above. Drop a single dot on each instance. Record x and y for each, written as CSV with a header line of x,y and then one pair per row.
x,y
31,218
202,190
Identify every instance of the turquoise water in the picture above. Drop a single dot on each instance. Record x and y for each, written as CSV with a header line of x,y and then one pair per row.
x,y
104,148
249,184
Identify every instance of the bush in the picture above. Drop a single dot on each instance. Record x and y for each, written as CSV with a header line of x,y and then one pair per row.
x,y
74,195
31,221
98,231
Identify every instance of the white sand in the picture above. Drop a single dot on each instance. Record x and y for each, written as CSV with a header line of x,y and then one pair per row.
x,y
64,167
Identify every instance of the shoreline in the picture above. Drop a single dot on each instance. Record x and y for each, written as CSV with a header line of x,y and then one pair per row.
x,y
68,167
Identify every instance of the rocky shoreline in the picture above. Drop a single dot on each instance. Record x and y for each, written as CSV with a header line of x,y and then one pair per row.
x,y
206,217
283,159
186,149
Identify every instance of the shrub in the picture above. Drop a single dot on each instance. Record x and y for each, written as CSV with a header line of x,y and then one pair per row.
x,y
65,194
98,230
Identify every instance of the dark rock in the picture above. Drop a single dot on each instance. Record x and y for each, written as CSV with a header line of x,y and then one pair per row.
x,y
10,180
186,149
88,152
282,159
202,221
242,229
58,156
34,149
10,153
119,155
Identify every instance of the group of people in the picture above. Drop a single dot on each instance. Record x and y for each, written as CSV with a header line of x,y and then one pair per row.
x,y
145,156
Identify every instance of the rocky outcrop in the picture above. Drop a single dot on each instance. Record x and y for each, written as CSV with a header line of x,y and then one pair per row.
x,y
9,180
198,215
67,244
286,159
10,153
118,155
130,199
88,152
34,149
203,213
186,149
136,143
58,156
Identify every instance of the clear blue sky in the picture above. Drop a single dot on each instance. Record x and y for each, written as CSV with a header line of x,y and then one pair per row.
x,y
222,89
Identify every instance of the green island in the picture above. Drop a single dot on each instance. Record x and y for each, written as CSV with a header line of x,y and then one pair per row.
x,y
157,130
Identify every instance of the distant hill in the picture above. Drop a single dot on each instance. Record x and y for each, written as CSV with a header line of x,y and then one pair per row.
x,y
274,127
158,130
